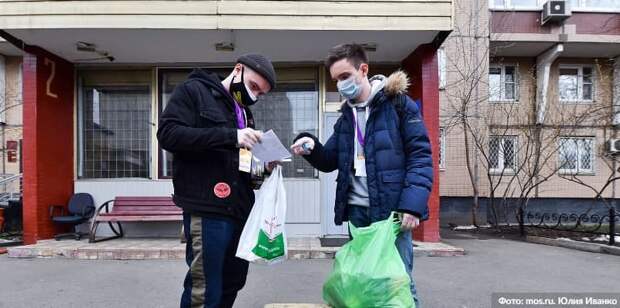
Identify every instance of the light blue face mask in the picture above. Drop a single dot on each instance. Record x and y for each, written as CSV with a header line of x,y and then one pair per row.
x,y
348,88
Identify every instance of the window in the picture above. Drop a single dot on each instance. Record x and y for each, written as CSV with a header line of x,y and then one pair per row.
x,y
289,109
503,83
576,155
585,5
114,128
442,148
522,3
514,4
502,154
441,63
576,84
605,5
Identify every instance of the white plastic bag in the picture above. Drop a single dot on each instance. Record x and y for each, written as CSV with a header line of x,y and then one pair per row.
x,y
263,238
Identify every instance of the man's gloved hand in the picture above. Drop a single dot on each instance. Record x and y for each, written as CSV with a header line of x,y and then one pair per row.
x,y
408,222
248,137
303,146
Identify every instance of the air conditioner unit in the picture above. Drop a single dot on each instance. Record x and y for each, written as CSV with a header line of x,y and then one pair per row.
x,y
555,10
613,146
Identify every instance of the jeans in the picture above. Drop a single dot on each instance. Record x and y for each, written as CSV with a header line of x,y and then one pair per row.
x,y
215,275
359,217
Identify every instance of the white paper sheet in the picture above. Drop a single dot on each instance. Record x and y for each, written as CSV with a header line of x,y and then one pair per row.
x,y
270,149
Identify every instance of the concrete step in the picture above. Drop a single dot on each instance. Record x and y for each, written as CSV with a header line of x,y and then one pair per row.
x,y
170,248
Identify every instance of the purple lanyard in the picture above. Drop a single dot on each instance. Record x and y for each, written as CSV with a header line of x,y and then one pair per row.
x,y
240,117
360,136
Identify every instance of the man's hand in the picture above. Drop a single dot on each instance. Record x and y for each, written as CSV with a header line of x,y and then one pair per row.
x,y
408,222
298,147
248,137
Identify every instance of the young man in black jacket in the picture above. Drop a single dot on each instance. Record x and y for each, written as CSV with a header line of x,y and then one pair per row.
x,y
209,128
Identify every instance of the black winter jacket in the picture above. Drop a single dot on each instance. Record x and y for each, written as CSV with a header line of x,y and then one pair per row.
x,y
199,127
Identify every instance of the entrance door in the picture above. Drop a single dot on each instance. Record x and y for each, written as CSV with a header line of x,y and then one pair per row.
x,y
328,182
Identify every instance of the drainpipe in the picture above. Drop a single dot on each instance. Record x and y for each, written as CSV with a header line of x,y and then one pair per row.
x,y
615,119
477,98
543,69
3,103
616,92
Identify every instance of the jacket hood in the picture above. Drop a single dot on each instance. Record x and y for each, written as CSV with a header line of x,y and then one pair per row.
x,y
212,80
397,83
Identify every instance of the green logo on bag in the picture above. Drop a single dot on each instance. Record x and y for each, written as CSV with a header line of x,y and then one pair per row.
x,y
267,248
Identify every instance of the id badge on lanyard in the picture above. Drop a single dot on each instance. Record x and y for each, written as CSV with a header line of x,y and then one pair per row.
x,y
359,163
245,160
245,155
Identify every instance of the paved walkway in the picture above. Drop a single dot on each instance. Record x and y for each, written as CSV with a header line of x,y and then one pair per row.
x,y
490,265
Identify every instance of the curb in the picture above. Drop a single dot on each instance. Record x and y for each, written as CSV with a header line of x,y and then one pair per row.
x,y
453,252
583,246
299,250
176,254
296,306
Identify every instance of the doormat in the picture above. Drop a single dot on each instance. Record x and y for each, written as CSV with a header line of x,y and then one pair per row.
x,y
333,241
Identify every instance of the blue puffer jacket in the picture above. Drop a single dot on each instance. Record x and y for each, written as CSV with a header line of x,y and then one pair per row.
x,y
399,165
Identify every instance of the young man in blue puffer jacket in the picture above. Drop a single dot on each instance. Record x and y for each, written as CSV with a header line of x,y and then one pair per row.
x,y
380,148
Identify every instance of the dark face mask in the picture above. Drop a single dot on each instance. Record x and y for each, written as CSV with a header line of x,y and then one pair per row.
x,y
241,93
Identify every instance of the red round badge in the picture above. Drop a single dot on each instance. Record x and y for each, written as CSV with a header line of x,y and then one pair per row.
x,y
221,190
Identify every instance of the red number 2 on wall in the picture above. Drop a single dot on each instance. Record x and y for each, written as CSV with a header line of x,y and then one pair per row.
x,y
48,89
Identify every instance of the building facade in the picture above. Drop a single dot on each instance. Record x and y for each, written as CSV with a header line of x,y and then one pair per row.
x,y
97,74
10,121
539,101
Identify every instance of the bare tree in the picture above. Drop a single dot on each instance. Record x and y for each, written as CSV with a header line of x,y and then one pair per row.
x,y
604,117
467,58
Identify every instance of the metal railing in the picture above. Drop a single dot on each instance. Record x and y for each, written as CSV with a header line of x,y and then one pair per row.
x,y
8,191
594,224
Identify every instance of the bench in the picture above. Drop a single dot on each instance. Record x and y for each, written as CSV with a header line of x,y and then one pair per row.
x,y
133,209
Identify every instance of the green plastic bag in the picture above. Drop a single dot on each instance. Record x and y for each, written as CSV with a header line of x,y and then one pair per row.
x,y
368,270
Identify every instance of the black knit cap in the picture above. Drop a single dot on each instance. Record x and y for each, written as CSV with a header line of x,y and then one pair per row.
x,y
261,65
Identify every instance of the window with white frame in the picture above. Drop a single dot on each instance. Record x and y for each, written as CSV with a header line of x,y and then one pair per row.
x,y
441,64
502,154
576,155
575,5
503,83
515,4
576,84
442,148
605,5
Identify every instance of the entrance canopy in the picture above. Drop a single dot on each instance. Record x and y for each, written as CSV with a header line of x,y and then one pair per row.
x,y
189,31
215,46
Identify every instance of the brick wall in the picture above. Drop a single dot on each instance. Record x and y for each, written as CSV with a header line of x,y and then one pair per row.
x,y
48,83
421,66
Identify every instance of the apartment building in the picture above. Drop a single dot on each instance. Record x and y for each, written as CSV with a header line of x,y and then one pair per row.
x,y
523,75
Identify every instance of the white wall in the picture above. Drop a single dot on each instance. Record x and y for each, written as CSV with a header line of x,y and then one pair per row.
x,y
303,212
